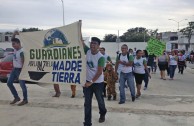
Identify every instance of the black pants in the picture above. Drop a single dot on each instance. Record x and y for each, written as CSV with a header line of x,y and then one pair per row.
x,y
97,89
181,69
167,69
104,90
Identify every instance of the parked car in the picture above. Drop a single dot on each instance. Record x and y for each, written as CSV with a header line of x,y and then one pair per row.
x,y
2,53
7,51
6,65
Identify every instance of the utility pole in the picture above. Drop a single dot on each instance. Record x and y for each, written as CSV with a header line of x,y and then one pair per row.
x,y
118,40
63,12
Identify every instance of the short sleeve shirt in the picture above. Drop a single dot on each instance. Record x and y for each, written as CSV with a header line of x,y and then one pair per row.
x,y
123,68
139,65
92,64
17,58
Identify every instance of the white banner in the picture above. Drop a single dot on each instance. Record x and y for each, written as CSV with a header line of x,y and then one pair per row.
x,y
54,56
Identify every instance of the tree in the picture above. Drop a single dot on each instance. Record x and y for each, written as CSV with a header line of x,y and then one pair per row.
x,y
152,33
30,29
110,38
188,31
138,34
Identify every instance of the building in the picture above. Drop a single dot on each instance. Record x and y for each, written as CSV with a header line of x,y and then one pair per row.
x,y
183,42
5,36
177,40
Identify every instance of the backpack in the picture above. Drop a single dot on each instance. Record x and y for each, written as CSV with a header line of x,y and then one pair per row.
x,y
120,56
127,58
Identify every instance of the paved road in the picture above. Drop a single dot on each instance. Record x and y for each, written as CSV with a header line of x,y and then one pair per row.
x,y
38,116
168,103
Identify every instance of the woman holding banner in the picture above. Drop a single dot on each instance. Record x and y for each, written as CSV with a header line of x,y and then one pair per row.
x,y
58,92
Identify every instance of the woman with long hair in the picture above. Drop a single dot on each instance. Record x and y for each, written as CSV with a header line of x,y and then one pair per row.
x,y
162,64
173,58
140,65
149,64
181,62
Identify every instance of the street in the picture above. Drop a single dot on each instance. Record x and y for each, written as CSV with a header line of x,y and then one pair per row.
x,y
165,102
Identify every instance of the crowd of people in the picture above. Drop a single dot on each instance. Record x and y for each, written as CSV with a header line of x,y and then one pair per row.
x,y
132,68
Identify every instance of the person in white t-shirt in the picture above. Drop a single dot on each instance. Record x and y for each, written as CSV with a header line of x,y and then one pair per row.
x,y
123,67
140,68
18,61
94,81
107,60
134,52
172,64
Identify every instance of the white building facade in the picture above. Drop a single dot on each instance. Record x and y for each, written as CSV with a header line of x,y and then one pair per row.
x,y
183,42
5,36
177,40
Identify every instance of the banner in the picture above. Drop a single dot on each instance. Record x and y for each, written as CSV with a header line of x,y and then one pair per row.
x,y
155,47
54,56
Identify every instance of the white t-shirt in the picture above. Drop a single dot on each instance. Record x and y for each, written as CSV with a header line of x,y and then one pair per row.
x,y
134,53
173,60
17,61
93,61
122,68
106,59
139,65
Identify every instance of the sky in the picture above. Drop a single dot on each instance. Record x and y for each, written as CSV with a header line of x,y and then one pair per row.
x,y
99,17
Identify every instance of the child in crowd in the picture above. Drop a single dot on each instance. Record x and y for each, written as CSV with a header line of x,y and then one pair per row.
x,y
110,77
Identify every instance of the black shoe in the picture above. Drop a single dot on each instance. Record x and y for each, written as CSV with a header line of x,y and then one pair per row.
x,y
87,125
121,102
109,98
102,118
23,103
73,96
114,98
57,94
133,99
15,100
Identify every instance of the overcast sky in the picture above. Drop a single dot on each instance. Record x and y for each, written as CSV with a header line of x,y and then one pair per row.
x,y
99,17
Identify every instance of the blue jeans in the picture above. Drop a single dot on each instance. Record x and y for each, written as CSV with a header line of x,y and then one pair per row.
x,y
129,77
15,75
172,70
97,89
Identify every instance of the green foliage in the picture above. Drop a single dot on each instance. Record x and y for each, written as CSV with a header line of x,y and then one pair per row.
x,y
30,29
135,35
110,38
138,34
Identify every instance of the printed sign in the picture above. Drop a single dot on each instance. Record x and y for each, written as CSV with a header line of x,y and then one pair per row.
x,y
155,47
54,56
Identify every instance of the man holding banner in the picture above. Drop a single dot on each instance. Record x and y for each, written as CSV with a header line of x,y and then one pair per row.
x,y
18,61
94,81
